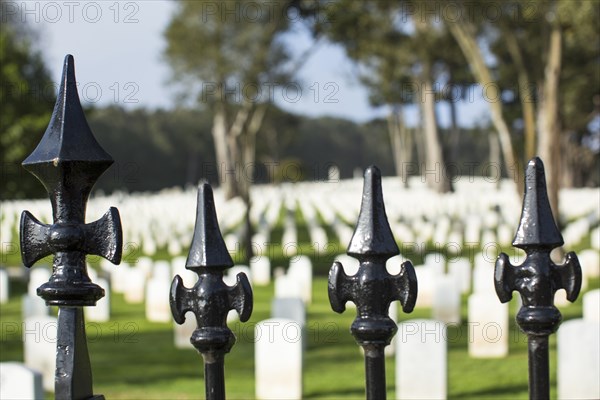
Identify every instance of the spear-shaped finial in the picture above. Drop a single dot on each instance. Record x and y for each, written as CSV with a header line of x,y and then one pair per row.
x,y
210,299
68,161
538,278
372,289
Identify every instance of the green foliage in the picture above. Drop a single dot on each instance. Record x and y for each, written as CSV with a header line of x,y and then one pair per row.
x,y
26,99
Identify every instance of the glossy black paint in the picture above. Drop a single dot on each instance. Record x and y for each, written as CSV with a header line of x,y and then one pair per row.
x,y
538,278
372,289
68,161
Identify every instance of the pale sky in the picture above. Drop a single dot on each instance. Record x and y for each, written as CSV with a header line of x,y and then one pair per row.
x,y
117,48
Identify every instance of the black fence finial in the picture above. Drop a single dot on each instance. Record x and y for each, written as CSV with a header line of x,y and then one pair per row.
x,y
372,289
538,278
68,161
210,299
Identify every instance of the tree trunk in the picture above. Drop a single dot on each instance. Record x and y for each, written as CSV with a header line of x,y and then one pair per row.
x,y
525,93
401,140
223,156
548,119
463,33
435,169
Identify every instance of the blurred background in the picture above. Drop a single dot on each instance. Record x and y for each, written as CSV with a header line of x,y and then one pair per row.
x,y
281,105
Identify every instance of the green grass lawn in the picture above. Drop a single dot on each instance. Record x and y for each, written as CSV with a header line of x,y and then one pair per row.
x,y
135,359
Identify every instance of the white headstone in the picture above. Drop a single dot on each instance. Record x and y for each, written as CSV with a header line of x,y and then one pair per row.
x,y
301,271
118,277
578,364
101,311
488,326
590,263
18,382
231,277
278,359
426,278
157,299
289,308
134,285
39,347
421,360
591,306
483,275
446,300
33,306
286,287
595,238
37,278
3,286
461,269
260,267
183,332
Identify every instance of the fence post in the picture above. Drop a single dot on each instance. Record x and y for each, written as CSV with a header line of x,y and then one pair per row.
x,y
538,278
68,161
210,299
372,289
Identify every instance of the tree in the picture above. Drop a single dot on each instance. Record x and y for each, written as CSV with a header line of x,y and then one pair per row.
x,y
230,56
27,97
399,67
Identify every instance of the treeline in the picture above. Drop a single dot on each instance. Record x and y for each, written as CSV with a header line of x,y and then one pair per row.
x,y
158,149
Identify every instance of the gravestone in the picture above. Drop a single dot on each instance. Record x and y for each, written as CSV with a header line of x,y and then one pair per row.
x,y
446,300
157,294
421,360
18,382
182,333
483,275
461,269
301,271
118,277
591,306
260,267
101,311
39,347
595,238
287,287
590,262
134,285
426,278
488,326
3,286
578,364
278,359
289,308
32,304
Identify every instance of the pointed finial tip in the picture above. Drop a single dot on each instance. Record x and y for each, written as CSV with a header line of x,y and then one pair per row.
x,y
372,235
208,248
372,171
537,226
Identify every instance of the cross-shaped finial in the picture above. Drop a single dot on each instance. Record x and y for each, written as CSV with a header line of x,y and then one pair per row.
x,y
538,278
68,161
372,289
210,299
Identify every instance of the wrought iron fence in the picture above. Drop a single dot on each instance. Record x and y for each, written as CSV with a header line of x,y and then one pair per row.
x,y
68,161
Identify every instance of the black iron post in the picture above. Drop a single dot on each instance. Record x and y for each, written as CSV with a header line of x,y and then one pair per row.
x,y
538,278
210,299
68,161
372,289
